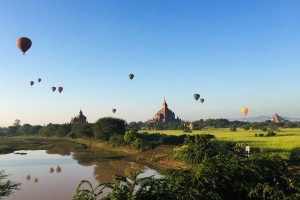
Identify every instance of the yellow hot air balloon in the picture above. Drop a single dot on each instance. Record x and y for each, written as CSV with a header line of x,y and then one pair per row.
x,y
244,111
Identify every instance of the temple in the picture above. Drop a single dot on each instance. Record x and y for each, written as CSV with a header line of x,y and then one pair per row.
x,y
165,115
276,118
79,118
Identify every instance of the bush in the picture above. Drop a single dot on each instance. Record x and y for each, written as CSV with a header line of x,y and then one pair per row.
x,y
233,128
264,129
130,136
270,133
295,154
141,146
117,141
261,135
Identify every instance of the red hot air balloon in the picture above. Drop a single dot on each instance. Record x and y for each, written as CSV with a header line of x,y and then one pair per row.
x,y
60,89
24,44
31,83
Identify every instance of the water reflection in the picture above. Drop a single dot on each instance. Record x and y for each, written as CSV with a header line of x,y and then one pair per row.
x,y
58,169
51,170
77,166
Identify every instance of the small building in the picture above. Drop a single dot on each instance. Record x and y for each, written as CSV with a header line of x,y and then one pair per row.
x,y
79,118
276,118
165,115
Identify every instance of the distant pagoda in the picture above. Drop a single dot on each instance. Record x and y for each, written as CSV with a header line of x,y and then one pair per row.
x,y
165,115
276,118
79,118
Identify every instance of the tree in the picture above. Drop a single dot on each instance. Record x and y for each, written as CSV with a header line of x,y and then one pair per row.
x,y
17,123
12,131
84,130
105,127
25,129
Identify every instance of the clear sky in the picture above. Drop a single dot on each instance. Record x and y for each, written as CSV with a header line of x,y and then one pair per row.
x,y
233,53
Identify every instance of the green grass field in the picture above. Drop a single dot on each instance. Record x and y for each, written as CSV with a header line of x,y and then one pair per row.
x,y
285,140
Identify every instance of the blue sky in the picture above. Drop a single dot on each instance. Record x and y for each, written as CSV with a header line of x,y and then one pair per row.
x,y
233,53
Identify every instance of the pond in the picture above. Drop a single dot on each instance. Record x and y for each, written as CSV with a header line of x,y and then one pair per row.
x,y
50,175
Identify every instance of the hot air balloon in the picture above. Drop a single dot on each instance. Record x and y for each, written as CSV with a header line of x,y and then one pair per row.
x,y
24,44
244,111
28,177
202,100
131,76
51,170
114,110
60,89
53,89
36,180
196,96
39,80
58,169
31,83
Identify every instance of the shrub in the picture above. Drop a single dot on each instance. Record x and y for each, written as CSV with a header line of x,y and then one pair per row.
x,y
130,136
117,141
233,128
264,129
261,135
295,154
270,133
141,145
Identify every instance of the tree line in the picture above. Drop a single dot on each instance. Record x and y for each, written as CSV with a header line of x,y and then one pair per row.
x,y
211,123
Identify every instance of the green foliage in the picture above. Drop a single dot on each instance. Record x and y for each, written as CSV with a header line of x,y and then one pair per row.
x,y
7,186
233,128
55,130
294,155
198,149
105,127
127,188
12,131
141,145
247,127
130,136
89,192
223,177
234,177
81,130
117,141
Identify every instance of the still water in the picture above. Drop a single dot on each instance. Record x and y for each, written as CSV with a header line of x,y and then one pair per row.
x,y
46,176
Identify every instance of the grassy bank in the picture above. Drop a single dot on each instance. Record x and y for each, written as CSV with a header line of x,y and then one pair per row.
x,y
159,158
282,143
